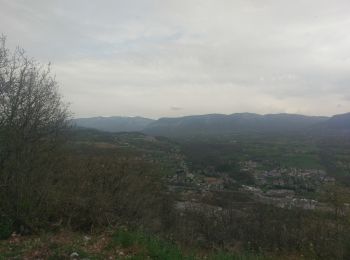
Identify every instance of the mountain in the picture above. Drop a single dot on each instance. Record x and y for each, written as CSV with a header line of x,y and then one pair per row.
x,y
114,123
338,124
216,124
341,122
234,123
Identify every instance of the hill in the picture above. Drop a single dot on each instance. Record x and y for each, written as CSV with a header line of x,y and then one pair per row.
x,y
114,123
338,122
234,123
217,124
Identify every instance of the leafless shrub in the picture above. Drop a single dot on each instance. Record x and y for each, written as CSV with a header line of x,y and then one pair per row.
x,y
102,191
32,120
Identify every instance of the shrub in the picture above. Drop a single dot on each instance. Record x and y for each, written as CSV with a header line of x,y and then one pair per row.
x,y
32,122
99,191
6,227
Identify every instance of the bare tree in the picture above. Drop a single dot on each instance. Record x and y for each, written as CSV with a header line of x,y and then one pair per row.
x,y
32,119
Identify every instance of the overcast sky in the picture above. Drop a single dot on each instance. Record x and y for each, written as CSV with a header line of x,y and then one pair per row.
x,y
158,58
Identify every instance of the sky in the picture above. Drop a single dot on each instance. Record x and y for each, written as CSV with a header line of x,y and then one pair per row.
x,y
167,58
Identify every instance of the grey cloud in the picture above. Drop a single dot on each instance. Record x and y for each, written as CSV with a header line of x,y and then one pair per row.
x,y
136,57
176,108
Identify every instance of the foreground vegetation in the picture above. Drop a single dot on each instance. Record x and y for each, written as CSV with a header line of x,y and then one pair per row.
x,y
110,244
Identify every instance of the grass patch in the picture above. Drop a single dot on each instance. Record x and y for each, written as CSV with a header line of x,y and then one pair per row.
x,y
122,244
147,246
230,256
150,247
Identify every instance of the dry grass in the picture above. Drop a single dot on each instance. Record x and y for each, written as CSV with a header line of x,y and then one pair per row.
x,y
103,245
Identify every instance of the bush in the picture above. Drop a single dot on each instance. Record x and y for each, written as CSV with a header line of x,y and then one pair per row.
x,y
42,184
6,227
99,191
32,122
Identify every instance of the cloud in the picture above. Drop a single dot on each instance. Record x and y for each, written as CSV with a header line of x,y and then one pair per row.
x,y
176,108
137,57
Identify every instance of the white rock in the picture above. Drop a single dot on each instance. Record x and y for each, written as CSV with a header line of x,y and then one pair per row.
x,y
74,254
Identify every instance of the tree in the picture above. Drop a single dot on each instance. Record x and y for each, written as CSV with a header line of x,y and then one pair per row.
x,y
32,121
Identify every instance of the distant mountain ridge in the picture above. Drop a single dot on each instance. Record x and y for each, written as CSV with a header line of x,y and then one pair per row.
x,y
339,122
220,124
114,123
336,125
234,123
